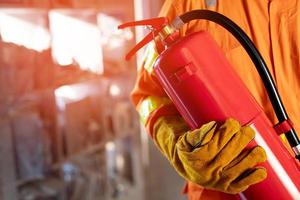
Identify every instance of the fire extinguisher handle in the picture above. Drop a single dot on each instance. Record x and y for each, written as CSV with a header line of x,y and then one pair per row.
x,y
156,24
148,38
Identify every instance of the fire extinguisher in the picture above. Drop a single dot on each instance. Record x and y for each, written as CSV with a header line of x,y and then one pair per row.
x,y
203,86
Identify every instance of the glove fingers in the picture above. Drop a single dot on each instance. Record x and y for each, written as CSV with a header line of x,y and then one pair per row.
x,y
222,137
235,146
253,176
245,162
238,159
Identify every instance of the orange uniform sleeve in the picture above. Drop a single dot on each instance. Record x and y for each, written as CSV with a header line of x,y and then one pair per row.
x,y
148,96
146,83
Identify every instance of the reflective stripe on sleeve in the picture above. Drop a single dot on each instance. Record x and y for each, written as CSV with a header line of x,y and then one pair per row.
x,y
150,57
150,104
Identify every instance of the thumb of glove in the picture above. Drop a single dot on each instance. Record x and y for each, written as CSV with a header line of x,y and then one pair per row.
x,y
198,137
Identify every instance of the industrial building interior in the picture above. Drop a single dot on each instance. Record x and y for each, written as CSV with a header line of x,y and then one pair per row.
x,y
68,127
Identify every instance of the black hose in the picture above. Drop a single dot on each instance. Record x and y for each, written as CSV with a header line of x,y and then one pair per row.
x,y
256,58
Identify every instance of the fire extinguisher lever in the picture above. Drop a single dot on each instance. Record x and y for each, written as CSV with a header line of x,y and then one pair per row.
x,y
155,24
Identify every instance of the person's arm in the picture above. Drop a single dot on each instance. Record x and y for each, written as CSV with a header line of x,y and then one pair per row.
x,y
210,156
148,96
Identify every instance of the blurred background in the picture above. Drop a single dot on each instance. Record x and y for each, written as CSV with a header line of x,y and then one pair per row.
x,y
67,127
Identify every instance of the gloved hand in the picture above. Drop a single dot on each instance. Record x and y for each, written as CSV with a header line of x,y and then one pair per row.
x,y
218,162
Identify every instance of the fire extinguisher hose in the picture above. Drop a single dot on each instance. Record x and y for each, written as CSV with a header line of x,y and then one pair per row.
x,y
256,58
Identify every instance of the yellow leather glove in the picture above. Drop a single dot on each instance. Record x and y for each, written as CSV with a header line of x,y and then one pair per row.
x,y
209,156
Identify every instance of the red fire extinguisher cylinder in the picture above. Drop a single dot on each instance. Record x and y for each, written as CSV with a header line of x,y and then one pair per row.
x,y
203,86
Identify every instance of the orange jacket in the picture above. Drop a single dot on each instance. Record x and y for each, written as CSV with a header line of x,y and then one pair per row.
x,y
274,27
